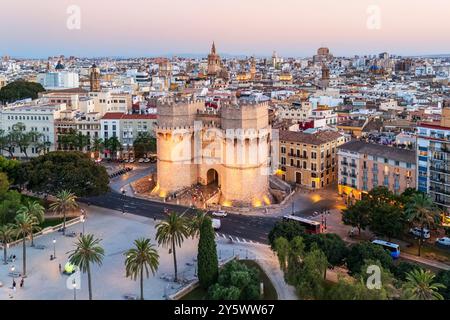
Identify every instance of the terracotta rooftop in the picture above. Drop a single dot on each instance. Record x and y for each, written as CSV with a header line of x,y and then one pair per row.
x,y
317,138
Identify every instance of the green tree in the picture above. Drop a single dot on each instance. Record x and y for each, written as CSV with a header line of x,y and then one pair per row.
x,y
403,268
236,282
286,229
172,232
35,209
420,285
421,212
25,225
10,168
208,266
444,278
196,223
9,203
311,280
282,250
357,215
7,233
295,258
143,257
71,170
334,248
19,90
113,145
87,251
4,183
97,146
360,252
143,144
65,201
387,220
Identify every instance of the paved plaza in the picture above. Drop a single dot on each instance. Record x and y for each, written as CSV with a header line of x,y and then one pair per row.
x,y
118,231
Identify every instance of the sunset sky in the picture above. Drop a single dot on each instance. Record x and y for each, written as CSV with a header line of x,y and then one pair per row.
x,y
156,27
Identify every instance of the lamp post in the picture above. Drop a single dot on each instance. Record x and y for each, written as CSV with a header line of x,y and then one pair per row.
x,y
13,268
54,248
74,285
83,220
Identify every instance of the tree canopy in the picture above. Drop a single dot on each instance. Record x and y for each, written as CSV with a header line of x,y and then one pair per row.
x,y
73,171
19,90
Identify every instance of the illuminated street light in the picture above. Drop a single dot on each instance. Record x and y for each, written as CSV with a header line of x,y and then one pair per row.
x,y
54,248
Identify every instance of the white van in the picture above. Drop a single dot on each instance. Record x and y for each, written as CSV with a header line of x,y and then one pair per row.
x,y
216,224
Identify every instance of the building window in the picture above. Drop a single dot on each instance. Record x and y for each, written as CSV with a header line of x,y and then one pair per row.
x,y
283,149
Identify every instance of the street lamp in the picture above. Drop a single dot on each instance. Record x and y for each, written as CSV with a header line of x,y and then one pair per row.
x,y
12,273
74,285
83,220
54,248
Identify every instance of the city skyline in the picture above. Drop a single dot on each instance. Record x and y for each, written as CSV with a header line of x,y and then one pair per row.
x,y
156,28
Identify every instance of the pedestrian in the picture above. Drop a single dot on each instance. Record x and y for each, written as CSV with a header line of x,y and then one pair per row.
x,y
59,268
51,257
14,285
21,283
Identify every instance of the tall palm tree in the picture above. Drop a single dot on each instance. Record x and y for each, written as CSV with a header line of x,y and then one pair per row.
x,y
143,257
172,232
113,145
35,209
196,223
87,251
7,233
419,285
26,224
65,201
421,212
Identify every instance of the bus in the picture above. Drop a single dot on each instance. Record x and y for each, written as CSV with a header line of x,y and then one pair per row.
x,y
393,248
311,227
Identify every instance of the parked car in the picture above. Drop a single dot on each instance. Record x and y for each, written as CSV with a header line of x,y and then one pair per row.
x,y
444,241
141,160
220,213
146,160
216,224
131,160
126,160
418,231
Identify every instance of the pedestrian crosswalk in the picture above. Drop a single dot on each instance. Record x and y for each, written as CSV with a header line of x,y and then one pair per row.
x,y
234,238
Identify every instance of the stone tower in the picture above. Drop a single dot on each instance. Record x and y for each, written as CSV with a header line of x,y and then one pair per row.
x,y
229,147
94,78
214,62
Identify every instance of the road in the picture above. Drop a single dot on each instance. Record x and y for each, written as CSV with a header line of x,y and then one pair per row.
x,y
255,228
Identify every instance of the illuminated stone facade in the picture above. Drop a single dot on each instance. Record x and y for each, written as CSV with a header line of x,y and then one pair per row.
x,y
229,147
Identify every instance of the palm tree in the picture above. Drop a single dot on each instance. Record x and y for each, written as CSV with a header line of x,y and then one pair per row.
x,y
196,223
142,257
65,201
421,212
97,146
87,250
35,209
172,232
7,233
419,285
25,223
113,145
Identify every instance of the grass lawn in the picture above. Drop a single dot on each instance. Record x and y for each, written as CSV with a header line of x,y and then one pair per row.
x,y
429,251
269,290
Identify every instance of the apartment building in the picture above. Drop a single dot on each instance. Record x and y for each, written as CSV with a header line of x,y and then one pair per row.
x,y
433,159
35,116
364,166
126,127
309,159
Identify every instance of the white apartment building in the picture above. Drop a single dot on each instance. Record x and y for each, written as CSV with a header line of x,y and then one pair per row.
x,y
107,102
35,116
297,111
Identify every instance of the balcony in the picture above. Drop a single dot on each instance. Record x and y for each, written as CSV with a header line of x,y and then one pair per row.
x,y
344,173
353,165
352,175
439,190
300,156
344,163
442,170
